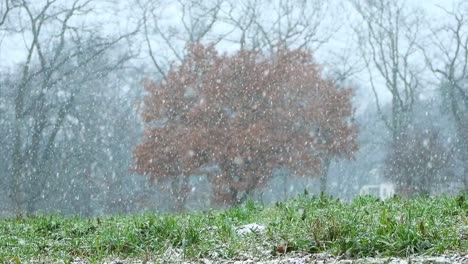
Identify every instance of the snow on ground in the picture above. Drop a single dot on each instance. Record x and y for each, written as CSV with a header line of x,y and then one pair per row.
x,y
288,259
250,228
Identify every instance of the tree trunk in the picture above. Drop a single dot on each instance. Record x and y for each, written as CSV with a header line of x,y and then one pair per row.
x,y
465,164
246,195
324,175
17,171
180,191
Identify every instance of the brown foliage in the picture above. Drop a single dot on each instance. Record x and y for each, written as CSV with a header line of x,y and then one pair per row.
x,y
245,114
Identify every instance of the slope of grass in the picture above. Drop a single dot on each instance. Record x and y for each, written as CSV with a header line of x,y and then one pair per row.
x,y
362,228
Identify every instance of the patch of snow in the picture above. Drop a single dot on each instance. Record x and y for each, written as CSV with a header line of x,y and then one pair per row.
x,y
176,256
250,228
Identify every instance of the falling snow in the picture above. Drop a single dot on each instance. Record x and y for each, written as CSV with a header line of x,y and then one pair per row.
x,y
203,105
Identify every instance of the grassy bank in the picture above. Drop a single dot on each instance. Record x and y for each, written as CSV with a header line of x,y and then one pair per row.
x,y
364,227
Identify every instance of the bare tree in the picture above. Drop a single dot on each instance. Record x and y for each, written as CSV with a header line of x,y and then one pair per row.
x,y
197,20
250,24
448,61
388,44
295,24
6,6
42,94
242,17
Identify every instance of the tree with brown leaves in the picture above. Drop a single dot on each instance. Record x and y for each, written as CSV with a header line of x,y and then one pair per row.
x,y
237,117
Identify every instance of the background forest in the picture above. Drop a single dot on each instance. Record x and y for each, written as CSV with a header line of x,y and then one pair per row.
x,y
116,107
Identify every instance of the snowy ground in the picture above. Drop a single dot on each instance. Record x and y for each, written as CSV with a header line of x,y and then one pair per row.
x,y
305,258
172,255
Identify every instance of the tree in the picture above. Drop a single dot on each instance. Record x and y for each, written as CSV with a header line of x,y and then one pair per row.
x,y
388,40
447,58
42,92
6,6
239,117
196,22
388,43
419,160
260,25
252,25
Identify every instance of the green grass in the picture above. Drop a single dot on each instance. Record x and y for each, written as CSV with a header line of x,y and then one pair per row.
x,y
362,228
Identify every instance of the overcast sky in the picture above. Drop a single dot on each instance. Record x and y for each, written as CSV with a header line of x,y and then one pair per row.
x,y
12,47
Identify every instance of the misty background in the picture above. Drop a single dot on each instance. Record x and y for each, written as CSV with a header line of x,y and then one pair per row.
x,y
71,94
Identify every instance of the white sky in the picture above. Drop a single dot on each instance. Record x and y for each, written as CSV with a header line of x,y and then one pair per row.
x,y
12,47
